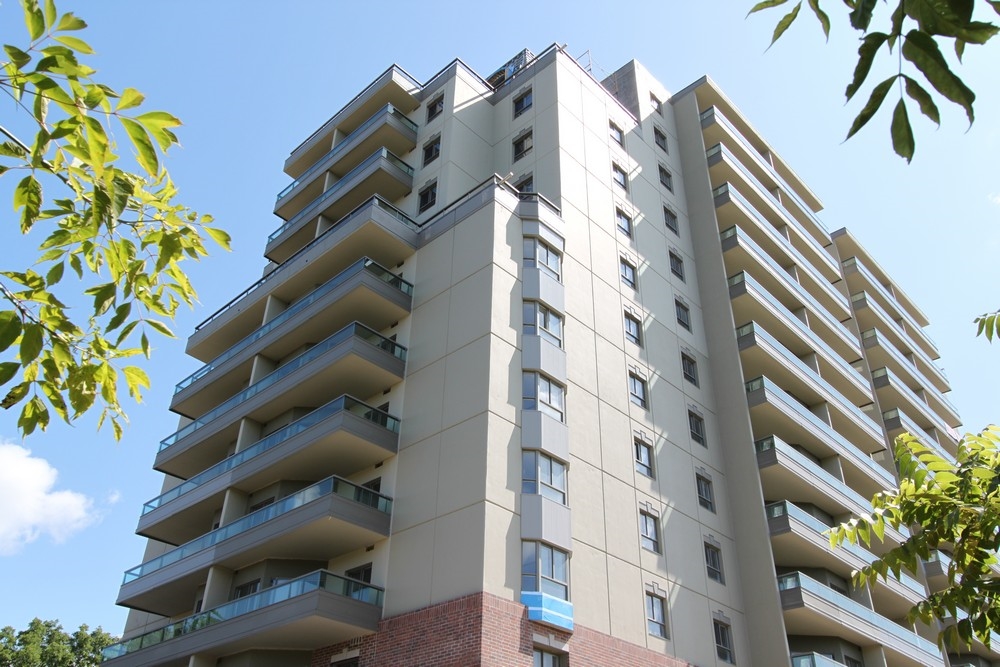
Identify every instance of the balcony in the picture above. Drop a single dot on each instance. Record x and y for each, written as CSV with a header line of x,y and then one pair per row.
x,y
814,609
304,614
762,354
882,353
894,393
936,568
814,660
381,173
320,522
387,128
353,360
339,438
898,422
365,290
774,411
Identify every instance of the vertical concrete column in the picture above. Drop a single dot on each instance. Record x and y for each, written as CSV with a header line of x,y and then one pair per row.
x,y
272,307
201,661
220,580
249,433
874,656
262,366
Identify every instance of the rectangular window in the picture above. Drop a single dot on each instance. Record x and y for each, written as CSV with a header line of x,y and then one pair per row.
x,y
624,222
616,133
670,219
683,314
656,618
643,457
246,589
526,184
633,329
543,475
690,368
522,146
724,642
706,497
428,197
628,273
435,107
619,176
637,390
713,563
545,659
540,255
544,569
360,573
660,139
656,104
853,662
539,320
542,394
649,531
432,149
697,426
666,178
676,265
522,103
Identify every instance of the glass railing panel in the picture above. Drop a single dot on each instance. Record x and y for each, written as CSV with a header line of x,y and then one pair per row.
x,y
905,363
814,660
319,580
282,435
307,495
919,402
917,350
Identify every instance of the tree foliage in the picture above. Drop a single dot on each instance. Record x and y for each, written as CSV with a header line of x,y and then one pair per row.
x,y
954,506
113,235
45,644
915,27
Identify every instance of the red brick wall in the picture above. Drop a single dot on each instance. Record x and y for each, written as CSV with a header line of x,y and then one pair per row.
x,y
483,630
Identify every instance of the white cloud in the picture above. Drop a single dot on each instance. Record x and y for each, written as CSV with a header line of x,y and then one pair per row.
x,y
32,507
994,198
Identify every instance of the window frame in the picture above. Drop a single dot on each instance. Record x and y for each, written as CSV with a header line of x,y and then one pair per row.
x,y
526,96
433,145
617,134
713,563
542,658
655,102
527,143
689,368
526,184
545,390
633,328
666,177
671,221
656,616
544,557
724,641
638,391
427,197
649,531
435,107
685,319
542,257
623,221
629,273
676,264
541,322
548,476
660,139
619,176
696,426
706,492
643,453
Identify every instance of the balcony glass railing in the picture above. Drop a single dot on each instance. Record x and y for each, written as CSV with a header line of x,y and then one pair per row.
x,y
327,487
378,116
814,660
801,581
911,427
313,207
912,396
887,294
306,358
321,580
905,363
848,450
916,349
282,435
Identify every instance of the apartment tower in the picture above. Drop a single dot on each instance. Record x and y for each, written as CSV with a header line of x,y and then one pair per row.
x,y
542,370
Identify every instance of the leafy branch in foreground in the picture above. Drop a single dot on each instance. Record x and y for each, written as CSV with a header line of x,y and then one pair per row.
x,y
916,26
119,232
956,506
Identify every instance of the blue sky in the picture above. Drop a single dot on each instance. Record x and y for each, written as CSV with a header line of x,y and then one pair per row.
x,y
250,80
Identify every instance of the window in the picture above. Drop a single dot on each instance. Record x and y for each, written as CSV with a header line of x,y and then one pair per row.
x,y
428,197
435,107
543,475
706,497
628,273
697,426
246,589
619,176
633,329
649,532
539,320
361,573
666,178
643,457
637,390
432,149
853,662
522,103
656,618
683,314
724,641
539,255
616,133
690,368
522,145
350,662
526,184
260,504
544,569
542,394
670,218
656,104
676,265
546,659
713,563
624,222
660,139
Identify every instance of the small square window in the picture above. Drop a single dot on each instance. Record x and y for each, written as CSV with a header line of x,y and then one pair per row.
x,y
249,588
660,139
545,659
637,390
620,177
544,569
542,394
628,273
666,178
656,104
540,255
633,329
526,184
541,474
624,222
670,219
697,426
540,320
649,530
690,368
683,314
435,107
428,197
522,103
522,146
432,149
616,134
706,496
656,618
724,642
677,265
643,457
713,563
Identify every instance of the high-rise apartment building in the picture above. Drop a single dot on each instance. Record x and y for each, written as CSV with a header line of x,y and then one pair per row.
x,y
598,411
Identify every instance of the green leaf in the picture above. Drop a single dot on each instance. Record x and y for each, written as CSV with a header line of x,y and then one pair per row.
x,y
121,312
130,98
33,19
10,149
28,196
220,237
824,20
7,371
156,123
50,13
55,274
784,23
15,395
923,98
874,102
160,327
104,297
10,328
995,4
34,414
31,343
70,22
137,380
74,43
767,4
866,56
861,16
921,50
17,56
145,151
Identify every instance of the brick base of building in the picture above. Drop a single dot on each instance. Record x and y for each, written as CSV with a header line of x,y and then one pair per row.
x,y
483,630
